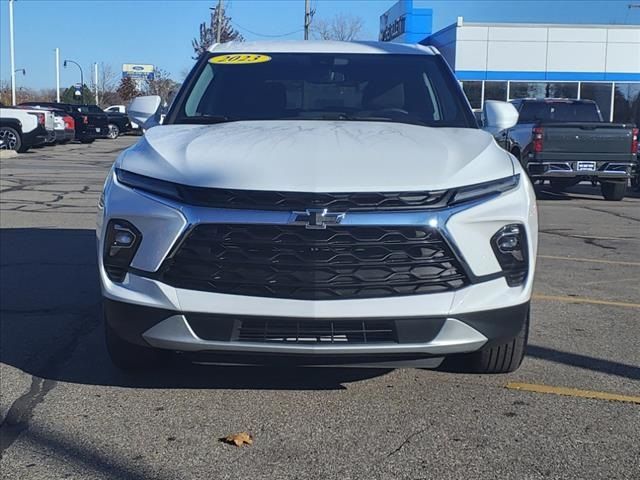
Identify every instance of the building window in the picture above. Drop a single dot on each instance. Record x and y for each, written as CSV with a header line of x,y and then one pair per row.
x,y
495,91
627,103
599,93
543,90
473,91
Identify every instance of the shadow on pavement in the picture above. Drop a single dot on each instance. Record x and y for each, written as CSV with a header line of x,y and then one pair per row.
x,y
584,361
51,324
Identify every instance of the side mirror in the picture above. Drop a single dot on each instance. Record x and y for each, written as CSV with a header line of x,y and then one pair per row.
x,y
142,110
498,116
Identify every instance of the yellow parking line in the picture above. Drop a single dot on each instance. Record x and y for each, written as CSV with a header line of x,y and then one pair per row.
x,y
590,260
592,301
571,392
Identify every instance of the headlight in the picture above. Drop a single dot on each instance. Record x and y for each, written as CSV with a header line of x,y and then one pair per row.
x,y
148,184
486,189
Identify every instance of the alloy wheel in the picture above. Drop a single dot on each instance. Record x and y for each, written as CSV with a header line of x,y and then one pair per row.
x,y
9,140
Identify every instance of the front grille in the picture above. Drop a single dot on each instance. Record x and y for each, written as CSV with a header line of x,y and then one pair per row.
x,y
289,261
270,200
264,329
317,331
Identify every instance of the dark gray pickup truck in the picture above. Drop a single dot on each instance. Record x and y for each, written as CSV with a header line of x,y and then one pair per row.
x,y
565,141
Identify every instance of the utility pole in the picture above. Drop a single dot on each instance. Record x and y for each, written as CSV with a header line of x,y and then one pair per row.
x,y
13,55
95,71
57,75
307,18
219,21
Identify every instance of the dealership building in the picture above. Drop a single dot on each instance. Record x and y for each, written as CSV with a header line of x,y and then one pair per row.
x,y
505,61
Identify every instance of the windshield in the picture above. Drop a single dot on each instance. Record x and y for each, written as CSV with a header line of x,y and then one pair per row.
x,y
89,109
417,89
559,112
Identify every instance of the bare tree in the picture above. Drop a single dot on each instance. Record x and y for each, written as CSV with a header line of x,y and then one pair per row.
x,y
343,27
161,85
208,32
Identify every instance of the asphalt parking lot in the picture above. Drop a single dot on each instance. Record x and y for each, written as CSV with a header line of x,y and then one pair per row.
x,y
68,413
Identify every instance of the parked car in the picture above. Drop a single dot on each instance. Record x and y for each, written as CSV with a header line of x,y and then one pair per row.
x,y
322,203
121,109
118,122
21,130
88,126
64,127
566,141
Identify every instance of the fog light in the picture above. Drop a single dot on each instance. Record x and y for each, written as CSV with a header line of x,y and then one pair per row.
x,y
510,247
122,240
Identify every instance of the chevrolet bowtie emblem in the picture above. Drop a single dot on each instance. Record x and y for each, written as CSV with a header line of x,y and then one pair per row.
x,y
316,219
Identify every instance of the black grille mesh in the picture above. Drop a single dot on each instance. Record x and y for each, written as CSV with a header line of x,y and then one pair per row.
x,y
317,331
289,261
270,200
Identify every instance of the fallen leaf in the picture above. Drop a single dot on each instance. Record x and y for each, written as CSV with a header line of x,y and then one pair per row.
x,y
238,439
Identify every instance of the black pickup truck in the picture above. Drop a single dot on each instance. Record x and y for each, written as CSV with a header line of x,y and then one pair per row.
x,y
119,123
565,141
89,126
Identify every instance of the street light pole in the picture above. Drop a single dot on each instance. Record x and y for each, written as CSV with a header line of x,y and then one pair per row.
x,y
13,55
95,71
57,75
81,78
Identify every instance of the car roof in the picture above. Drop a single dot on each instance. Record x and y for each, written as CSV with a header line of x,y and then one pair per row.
x,y
322,46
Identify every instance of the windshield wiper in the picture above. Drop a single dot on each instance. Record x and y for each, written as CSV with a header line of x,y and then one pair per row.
x,y
205,119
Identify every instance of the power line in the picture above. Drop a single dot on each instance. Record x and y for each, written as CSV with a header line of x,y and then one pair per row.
x,y
265,34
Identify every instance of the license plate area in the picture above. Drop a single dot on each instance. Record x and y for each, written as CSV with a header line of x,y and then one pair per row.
x,y
586,166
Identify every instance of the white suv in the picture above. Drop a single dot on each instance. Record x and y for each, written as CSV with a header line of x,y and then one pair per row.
x,y
318,203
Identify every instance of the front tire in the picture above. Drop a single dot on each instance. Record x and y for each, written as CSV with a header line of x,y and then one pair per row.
x,y
114,131
614,191
12,140
129,357
503,358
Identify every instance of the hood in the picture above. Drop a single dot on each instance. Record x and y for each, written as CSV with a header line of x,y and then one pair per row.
x,y
317,156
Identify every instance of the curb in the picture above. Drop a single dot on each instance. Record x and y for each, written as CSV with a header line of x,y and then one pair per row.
x,y
8,153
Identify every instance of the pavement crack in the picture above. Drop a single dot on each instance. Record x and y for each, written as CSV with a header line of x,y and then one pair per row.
x,y
21,411
615,214
405,442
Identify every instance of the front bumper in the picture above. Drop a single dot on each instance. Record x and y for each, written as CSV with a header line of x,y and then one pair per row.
x,y
413,338
145,311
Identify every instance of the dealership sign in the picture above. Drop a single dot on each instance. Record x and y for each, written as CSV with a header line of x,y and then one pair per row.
x,y
393,29
138,71
407,21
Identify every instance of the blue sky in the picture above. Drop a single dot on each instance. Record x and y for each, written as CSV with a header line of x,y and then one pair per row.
x,y
160,31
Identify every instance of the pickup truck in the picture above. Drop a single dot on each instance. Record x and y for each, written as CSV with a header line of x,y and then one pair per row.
x,y
121,109
118,122
49,121
88,126
318,203
565,141
21,130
